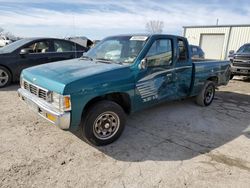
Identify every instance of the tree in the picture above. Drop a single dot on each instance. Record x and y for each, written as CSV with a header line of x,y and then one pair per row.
x,y
8,34
1,30
154,26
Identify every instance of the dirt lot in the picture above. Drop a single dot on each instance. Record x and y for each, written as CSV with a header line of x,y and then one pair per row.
x,y
177,144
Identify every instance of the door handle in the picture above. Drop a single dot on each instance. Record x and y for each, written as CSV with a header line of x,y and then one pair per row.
x,y
170,75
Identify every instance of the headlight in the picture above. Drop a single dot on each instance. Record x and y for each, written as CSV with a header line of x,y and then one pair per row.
x,y
62,102
21,81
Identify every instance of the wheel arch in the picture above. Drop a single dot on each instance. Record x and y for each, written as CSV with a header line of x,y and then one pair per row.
x,y
121,98
214,79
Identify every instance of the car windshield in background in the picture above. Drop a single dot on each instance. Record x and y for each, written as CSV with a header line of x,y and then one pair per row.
x,y
244,49
120,49
13,46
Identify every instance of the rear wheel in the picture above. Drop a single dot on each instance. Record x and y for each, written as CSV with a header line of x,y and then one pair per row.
x,y
5,77
206,95
103,123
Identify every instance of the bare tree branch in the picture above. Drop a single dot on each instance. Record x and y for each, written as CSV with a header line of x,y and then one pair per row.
x,y
8,34
154,26
1,30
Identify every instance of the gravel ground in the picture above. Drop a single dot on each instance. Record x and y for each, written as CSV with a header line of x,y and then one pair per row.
x,y
176,144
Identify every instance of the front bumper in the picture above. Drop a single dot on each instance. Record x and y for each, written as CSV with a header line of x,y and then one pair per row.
x,y
244,71
44,109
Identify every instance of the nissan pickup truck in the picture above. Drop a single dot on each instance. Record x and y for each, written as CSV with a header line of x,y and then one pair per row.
x,y
120,75
240,61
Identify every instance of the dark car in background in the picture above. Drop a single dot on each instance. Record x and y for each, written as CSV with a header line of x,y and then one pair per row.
x,y
240,61
83,41
197,52
30,52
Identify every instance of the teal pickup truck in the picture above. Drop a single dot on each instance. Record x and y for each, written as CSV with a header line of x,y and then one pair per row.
x,y
120,75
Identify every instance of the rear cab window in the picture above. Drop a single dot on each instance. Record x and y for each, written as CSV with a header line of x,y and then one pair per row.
x,y
182,50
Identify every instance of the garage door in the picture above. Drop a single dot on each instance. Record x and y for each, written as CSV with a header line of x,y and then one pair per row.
x,y
212,45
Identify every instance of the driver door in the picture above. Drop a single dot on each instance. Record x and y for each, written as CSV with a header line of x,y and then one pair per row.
x,y
155,83
38,53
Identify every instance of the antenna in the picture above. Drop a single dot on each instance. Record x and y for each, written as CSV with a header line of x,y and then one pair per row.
x,y
217,21
74,33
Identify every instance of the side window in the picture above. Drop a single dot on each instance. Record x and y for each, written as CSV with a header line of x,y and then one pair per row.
x,y
80,48
38,47
63,46
160,53
182,51
194,50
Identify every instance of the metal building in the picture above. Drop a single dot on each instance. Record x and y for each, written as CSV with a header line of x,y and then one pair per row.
x,y
216,41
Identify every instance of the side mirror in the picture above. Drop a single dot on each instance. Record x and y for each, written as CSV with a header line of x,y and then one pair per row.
x,y
143,64
24,52
231,52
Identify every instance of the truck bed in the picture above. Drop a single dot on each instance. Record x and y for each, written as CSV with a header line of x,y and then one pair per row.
x,y
204,69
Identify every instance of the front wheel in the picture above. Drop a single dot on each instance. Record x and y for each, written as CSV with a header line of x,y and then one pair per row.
x,y
5,77
103,123
206,95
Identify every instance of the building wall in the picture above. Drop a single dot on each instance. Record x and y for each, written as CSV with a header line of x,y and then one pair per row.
x,y
239,36
235,36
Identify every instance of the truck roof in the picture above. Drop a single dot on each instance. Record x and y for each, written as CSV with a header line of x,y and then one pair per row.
x,y
147,34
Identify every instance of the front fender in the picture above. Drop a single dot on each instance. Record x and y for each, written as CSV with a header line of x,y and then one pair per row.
x,y
81,99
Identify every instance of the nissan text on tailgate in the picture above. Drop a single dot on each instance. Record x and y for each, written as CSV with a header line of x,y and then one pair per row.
x,y
120,75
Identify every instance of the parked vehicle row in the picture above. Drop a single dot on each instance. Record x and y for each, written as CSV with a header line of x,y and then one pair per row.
x,y
119,76
29,52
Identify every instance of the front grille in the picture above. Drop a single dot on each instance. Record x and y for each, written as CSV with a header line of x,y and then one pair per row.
x,y
242,58
42,94
240,64
39,92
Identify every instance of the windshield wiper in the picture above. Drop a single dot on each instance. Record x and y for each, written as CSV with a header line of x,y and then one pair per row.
x,y
86,57
107,60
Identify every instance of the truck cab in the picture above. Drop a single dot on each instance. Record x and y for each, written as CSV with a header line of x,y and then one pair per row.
x,y
120,75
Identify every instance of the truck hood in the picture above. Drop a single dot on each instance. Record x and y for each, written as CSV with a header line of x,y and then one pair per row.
x,y
55,76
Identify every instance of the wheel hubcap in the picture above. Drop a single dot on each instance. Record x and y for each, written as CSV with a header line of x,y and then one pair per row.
x,y
3,77
209,94
106,125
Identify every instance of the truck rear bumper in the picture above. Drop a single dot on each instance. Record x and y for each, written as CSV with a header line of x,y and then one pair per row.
x,y
47,111
245,71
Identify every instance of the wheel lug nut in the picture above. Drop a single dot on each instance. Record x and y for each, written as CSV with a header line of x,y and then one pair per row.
x,y
106,125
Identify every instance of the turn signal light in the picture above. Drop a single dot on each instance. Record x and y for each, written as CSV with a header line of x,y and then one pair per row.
x,y
67,103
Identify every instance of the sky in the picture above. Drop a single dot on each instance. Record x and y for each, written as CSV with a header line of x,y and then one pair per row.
x,y
97,19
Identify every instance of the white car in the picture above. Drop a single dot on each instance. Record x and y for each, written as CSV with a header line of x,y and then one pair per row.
x,y
4,41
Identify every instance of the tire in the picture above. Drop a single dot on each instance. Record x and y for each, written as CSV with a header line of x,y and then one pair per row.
x,y
231,76
96,126
5,77
206,96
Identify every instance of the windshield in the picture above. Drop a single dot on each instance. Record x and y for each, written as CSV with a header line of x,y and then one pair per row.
x,y
121,49
13,46
244,49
